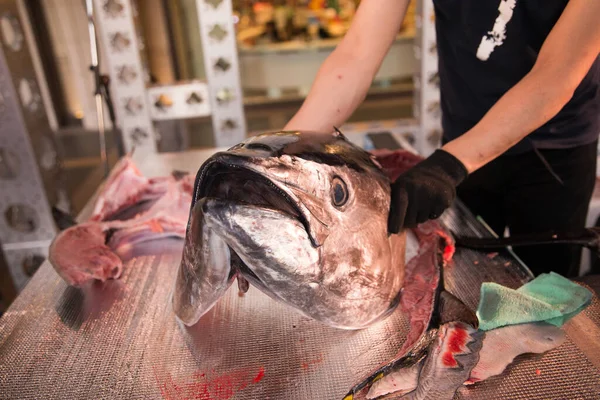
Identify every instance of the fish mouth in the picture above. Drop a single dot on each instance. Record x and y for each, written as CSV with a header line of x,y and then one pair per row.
x,y
229,180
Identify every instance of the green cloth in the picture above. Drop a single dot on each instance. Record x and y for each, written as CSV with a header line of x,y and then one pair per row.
x,y
549,298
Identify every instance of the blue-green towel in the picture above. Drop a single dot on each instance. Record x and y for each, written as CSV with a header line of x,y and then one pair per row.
x,y
549,297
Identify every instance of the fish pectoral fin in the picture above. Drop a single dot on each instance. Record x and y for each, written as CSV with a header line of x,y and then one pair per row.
x,y
414,357
434,368
451,309
398,382
379,382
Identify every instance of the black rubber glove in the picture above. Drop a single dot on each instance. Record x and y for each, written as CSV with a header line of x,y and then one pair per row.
x,y
425,191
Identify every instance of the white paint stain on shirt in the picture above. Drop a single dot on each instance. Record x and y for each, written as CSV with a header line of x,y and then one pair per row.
x,y
496,36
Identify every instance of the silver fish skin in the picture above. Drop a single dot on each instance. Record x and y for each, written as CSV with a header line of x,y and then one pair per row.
x,y
502,345
303,218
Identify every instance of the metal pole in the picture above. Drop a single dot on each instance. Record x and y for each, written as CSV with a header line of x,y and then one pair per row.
x,y
114,24
98,92
28,160
217,33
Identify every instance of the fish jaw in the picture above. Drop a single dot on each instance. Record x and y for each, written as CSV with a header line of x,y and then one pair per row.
x,y
232,168
250,232
204,273
79,254
291,271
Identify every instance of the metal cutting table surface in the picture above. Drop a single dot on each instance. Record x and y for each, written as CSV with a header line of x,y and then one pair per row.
x,y
120,339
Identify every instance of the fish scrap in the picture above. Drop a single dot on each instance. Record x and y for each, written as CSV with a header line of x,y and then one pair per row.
x,y
131,209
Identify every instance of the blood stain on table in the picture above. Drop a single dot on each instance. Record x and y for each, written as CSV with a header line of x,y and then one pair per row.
x,y
207,386
307,364
260,375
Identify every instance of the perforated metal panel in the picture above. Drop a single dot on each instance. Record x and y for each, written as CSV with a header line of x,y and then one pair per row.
x,y
30,176
222,70
120,340
24,260
118,37
184,100
137,106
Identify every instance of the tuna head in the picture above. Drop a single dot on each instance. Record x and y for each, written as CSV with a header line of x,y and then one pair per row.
x,y
302,217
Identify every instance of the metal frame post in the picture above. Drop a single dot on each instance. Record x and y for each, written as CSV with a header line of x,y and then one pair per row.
x,y
219,46
29,160
137,104
117,35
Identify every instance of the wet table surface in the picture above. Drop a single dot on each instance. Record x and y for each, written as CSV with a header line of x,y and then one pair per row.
x,y
120,339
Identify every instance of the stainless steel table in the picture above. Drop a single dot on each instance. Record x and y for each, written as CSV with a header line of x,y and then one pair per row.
x,y
120,340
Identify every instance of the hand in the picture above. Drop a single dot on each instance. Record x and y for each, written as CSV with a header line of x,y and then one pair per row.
x,y
425,191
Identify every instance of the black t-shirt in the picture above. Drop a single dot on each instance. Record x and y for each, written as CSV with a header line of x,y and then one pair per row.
x,y
487,46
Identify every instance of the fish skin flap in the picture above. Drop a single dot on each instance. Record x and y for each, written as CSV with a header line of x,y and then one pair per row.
x,y
548,298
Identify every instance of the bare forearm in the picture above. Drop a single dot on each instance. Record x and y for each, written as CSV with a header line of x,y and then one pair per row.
x,y
424,191
564,59
344,78
340,86
524,108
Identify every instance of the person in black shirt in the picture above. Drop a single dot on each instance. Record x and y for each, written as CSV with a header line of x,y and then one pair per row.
x,y
520,96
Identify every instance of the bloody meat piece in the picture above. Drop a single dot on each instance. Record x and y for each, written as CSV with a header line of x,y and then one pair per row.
x,y
89,251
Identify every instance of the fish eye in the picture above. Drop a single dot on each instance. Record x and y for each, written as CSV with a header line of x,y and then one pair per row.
x,y
258,146
339,192
235,147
